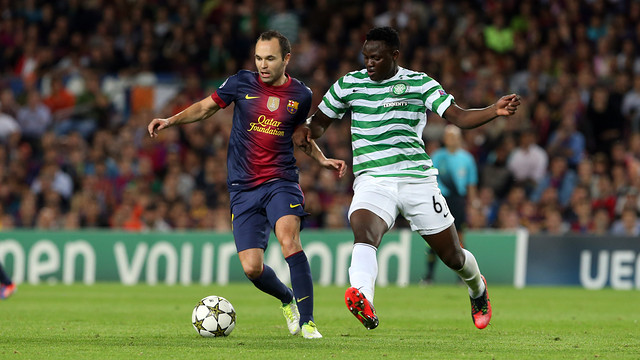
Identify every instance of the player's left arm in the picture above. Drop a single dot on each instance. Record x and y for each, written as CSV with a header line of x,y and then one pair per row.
x,y
471,118
313,150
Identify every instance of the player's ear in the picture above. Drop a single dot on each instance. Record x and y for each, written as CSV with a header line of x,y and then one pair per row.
x,y
287,58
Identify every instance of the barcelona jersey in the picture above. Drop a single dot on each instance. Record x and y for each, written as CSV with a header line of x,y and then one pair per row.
x,y
264,118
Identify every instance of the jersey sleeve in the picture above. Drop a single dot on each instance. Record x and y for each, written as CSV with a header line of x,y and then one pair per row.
x,y
435,98
305,107
333,104
227,92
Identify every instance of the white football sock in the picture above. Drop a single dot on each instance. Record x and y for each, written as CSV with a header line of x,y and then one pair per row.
x,y
470,274
364,269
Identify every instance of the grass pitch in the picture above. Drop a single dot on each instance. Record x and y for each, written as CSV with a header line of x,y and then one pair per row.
x,y
112,321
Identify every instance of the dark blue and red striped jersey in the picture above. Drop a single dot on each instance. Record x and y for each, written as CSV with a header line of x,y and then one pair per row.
x,y
264,118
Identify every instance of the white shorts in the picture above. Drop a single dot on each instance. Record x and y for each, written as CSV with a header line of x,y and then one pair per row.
x,y
419,201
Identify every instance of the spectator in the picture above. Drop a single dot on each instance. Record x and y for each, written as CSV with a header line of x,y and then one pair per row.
x,y
631,105
628,224
9,104
198,209
584,222
629,199
567,141
529,217
559,177
601,222
528,162
34,117
605,197
508,218
495,174
52,178
578,74
152,219
586,177
498,36
9,129
477,219
91,110
606,122
553,223
394,16
60,101
285,21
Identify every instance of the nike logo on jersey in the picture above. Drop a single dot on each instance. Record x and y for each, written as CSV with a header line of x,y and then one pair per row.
x,y
447,214
250,97
292,206
300,299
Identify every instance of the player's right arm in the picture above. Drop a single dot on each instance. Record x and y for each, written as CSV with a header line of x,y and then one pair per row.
x,y
313,128
196,112
333,106
318,124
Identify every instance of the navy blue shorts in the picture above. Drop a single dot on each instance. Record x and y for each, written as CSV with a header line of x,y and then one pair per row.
x,y
254,212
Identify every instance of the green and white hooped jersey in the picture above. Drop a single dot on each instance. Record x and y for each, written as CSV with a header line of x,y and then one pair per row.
x,y
387,120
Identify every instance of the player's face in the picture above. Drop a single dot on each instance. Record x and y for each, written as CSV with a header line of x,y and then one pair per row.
x,y
379,60
270,63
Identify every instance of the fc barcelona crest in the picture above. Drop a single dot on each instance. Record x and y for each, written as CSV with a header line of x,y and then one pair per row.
x,y
292,107
273,103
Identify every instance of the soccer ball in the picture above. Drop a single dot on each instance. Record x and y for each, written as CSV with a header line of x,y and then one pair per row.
x,y
214,316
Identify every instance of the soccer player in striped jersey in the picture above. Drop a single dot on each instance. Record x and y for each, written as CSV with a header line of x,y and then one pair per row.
x,y
393,173
262,176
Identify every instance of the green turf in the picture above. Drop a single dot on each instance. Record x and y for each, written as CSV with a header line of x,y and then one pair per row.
x,y
111,321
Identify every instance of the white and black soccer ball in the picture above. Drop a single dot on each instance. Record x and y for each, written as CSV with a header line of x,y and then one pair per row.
x,y
214,316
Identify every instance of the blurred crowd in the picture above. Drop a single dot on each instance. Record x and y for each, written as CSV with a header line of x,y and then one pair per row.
x,y
75,153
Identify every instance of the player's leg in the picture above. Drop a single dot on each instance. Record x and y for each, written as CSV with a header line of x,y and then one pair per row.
x,y
263,276
7,287
368,229
462,261
430,215
285,210
373,211
251,235
457,206
288,233
445,244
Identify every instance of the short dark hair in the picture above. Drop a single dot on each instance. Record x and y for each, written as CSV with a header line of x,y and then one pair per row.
x,y
285,45
386,34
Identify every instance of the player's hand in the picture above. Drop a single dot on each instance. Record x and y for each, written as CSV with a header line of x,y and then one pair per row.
x,y
156,125
334,164
507,105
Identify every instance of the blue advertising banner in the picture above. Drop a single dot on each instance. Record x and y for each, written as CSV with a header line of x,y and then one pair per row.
x,y
588,261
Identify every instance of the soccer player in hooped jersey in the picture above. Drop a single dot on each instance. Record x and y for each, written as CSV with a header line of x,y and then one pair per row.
x,y
262,174
393,173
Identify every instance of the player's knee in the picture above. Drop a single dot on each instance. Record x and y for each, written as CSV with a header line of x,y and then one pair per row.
x,y
369,237
290,246
454,259
252,271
